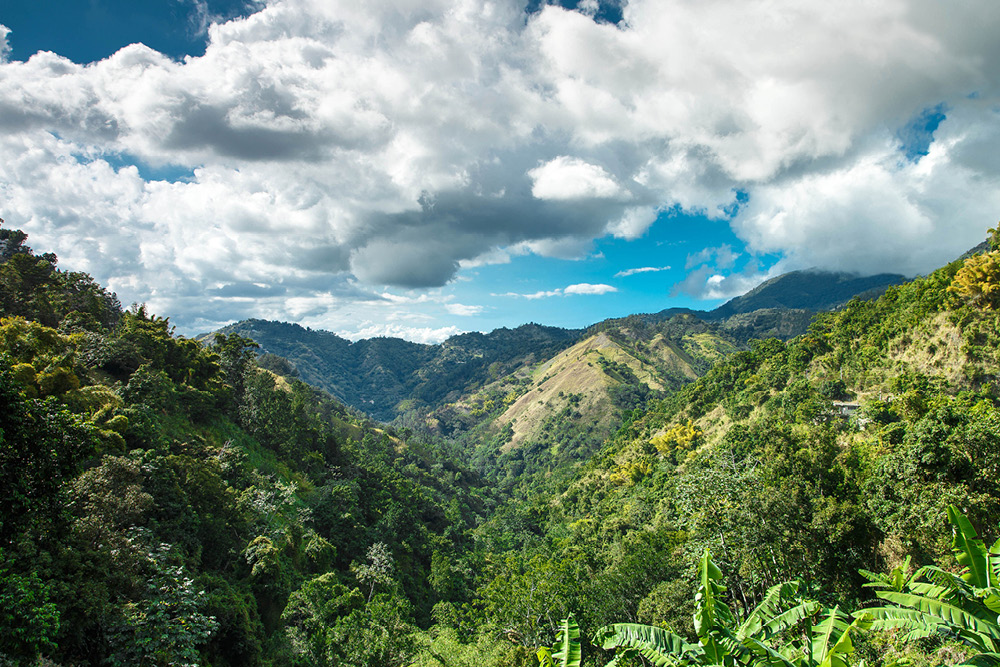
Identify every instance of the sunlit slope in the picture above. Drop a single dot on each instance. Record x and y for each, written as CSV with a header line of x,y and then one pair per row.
x,y
582,379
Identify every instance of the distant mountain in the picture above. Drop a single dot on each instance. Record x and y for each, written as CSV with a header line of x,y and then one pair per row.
x,y
807,290
383,376
388,377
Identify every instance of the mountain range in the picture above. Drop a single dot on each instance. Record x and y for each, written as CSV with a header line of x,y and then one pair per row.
x,y
536,397
388,376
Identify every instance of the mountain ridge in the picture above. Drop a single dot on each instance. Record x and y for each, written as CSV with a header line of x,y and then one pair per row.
x,y
386,376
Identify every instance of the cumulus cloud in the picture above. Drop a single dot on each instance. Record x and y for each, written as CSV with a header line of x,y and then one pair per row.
x,y
588,288
572,178
723,257
463,310
706,282
4,44
320,149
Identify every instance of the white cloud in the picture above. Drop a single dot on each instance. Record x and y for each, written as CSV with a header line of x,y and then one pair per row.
x,y
643,269
579,288
427,335
318,147
533,295
633,223
706,283
462,309
572,178
588,288
4,44
722,257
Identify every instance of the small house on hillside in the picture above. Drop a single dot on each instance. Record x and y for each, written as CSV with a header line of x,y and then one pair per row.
x,y
846,409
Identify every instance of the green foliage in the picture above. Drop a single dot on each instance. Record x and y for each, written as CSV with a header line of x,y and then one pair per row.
x,y
166,626
302,533
566,652
761,638
29,622
934,601
978,281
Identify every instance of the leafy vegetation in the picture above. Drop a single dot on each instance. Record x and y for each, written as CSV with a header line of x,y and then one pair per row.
x,y
165,501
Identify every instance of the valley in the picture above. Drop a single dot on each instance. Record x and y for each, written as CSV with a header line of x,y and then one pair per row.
x,y
231,501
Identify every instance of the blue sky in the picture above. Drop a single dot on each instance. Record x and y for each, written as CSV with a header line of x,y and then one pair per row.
x,y
424,168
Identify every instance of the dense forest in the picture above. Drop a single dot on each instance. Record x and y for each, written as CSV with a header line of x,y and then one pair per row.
x,y
825,500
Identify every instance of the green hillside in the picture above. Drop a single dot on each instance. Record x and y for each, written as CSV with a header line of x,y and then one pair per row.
x,y
810,460
166,502
386,376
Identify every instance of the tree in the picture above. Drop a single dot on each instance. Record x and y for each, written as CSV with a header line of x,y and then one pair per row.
x,y
978,281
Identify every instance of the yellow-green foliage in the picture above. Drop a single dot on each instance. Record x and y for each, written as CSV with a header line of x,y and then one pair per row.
x,y
43,359
979,280
680,437
632,471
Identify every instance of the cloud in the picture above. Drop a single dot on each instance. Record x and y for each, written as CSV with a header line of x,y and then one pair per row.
x,y
4,44
588,288
572,178
462,309
579,288
533,295
706,282
644,269
722,257
426,335
331,148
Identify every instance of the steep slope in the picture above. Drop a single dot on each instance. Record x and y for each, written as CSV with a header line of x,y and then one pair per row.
x,y
165,502
390,378
782,307
547,418
805,461
584,377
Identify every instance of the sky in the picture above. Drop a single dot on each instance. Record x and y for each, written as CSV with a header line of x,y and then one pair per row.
x,y
423,168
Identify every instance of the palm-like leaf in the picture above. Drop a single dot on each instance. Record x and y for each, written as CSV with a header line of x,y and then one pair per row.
x,y
970,551
661,647
964,605
831,641
567,649
979,621
768,608
791,617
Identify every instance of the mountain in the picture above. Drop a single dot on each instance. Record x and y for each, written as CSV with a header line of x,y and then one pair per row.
x,y
554,414
384,376
816,460
811,290
166,502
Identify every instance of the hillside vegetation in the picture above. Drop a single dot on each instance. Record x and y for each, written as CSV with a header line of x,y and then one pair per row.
x,y
166,502
808,461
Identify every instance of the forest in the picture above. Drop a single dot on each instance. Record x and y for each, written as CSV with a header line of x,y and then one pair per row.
x,y
829,500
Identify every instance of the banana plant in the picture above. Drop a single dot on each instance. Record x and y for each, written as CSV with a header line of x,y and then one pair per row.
x,y
937,602
566,652
751,643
